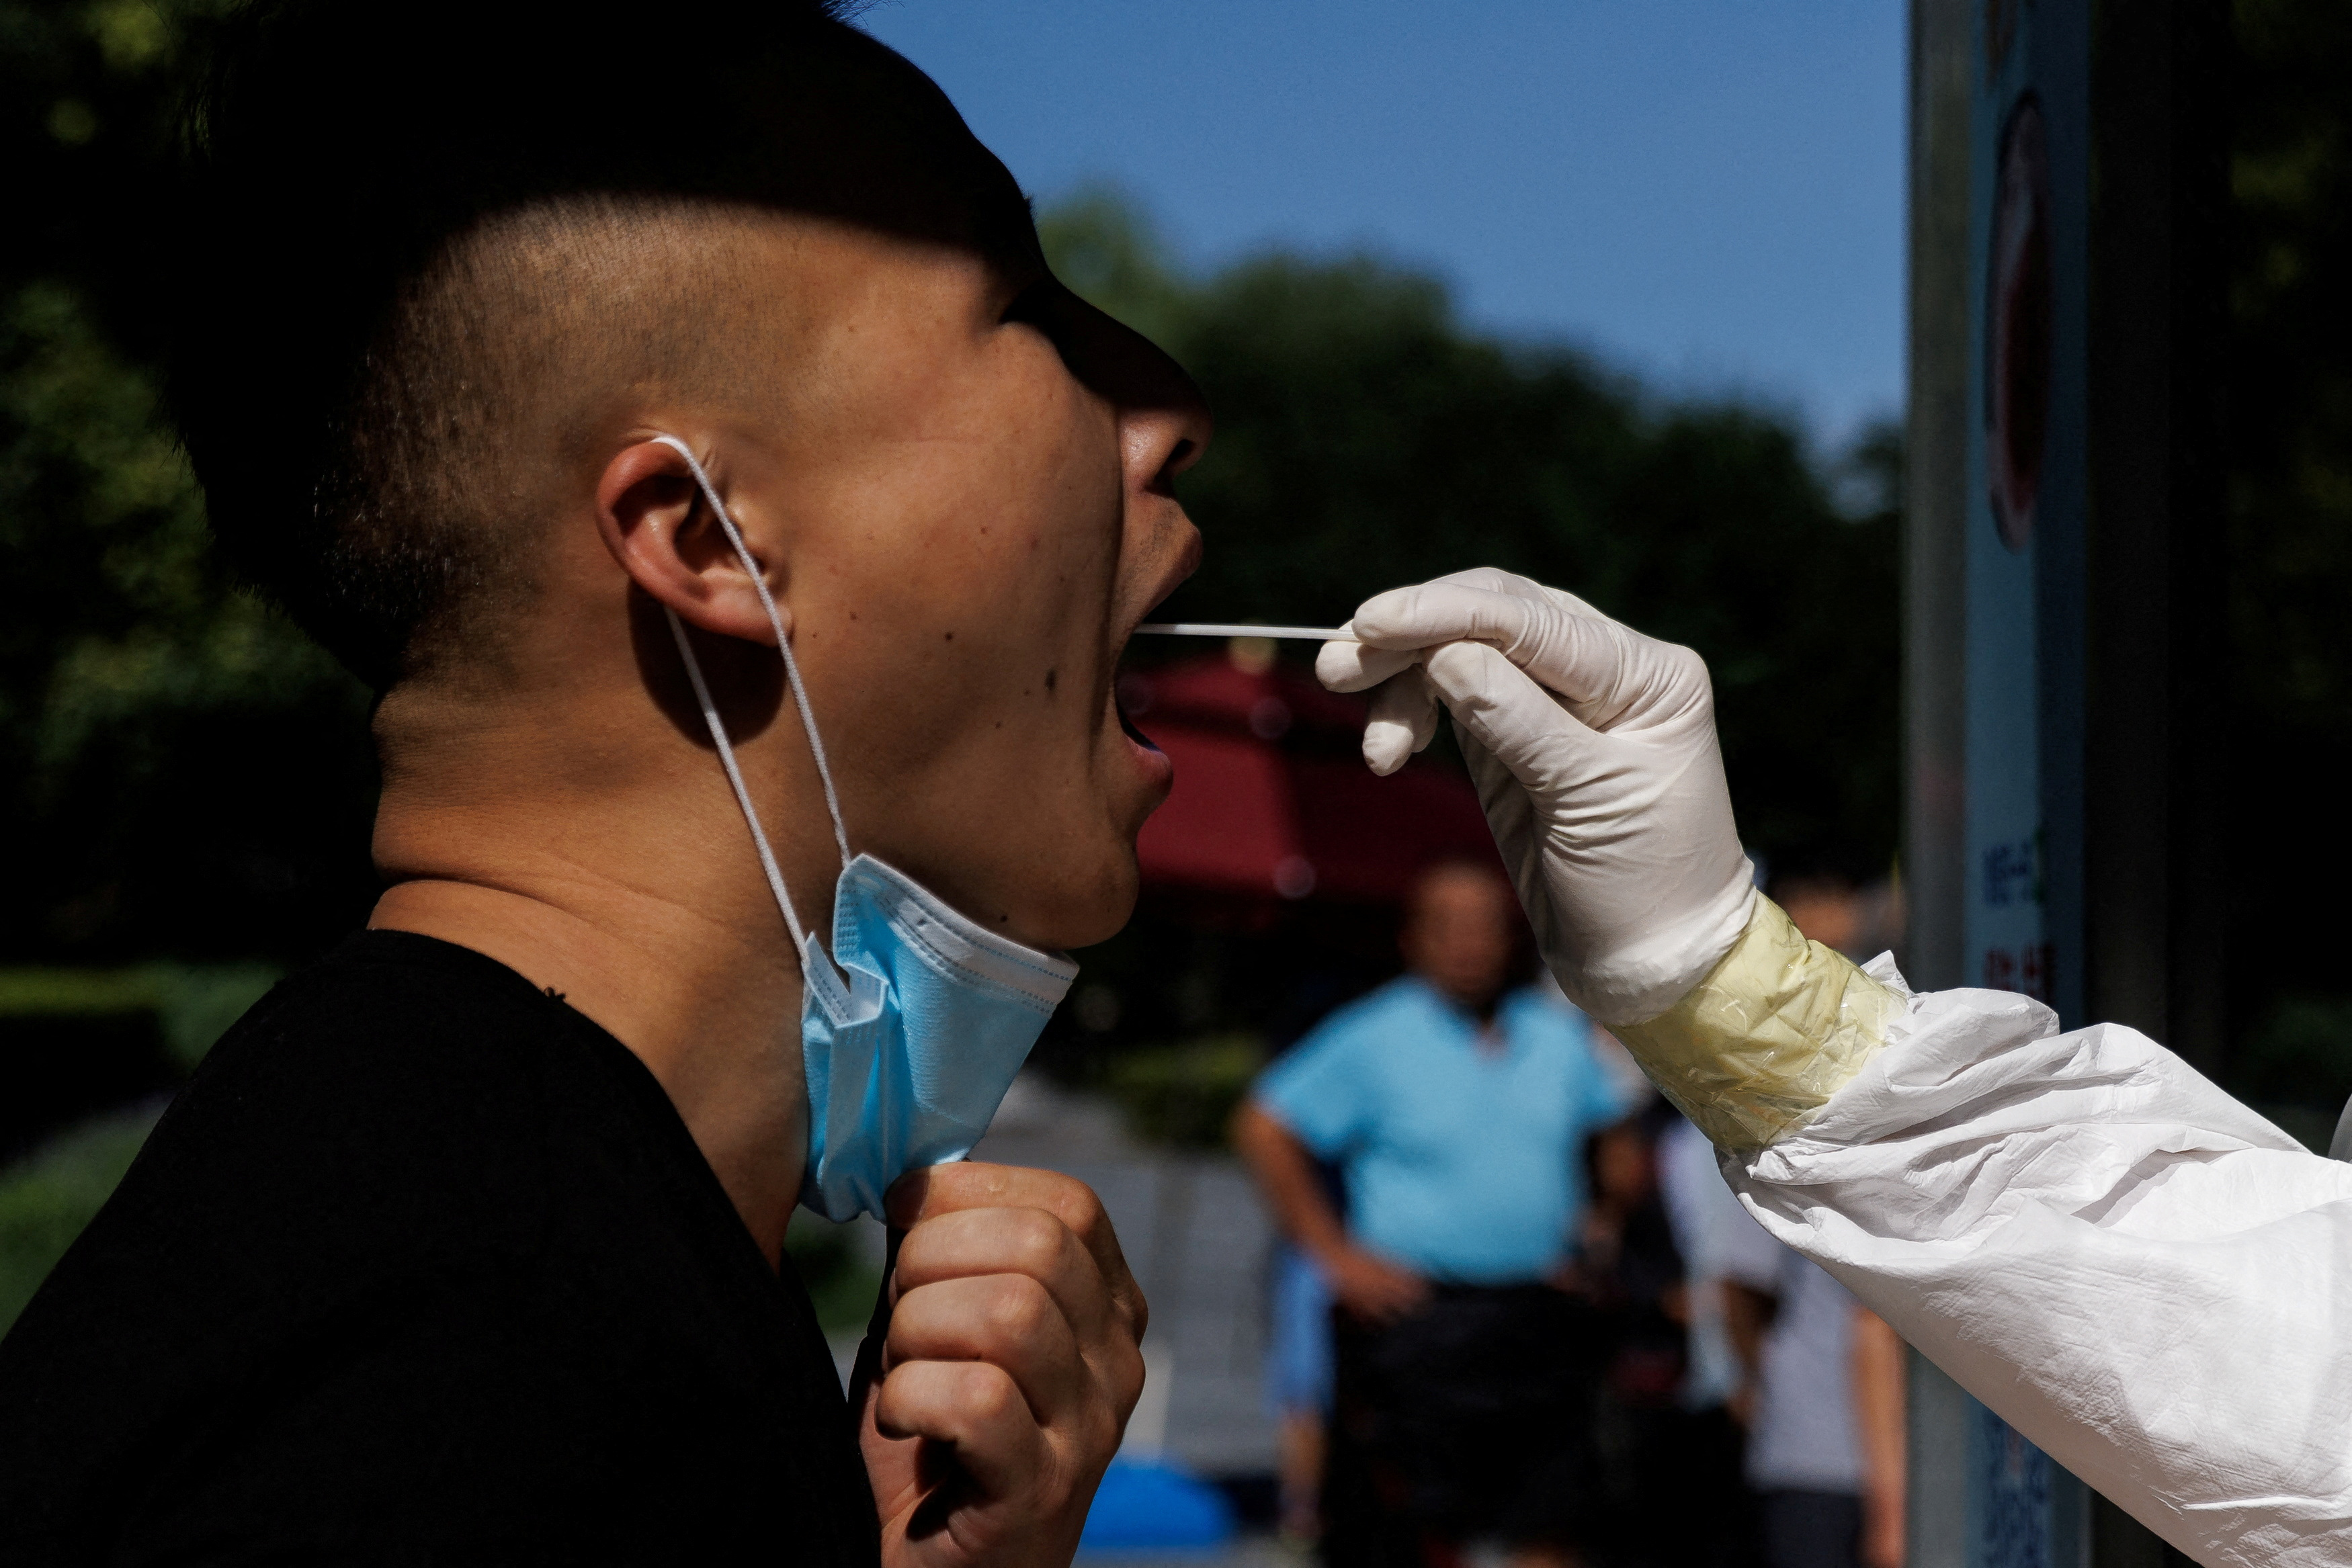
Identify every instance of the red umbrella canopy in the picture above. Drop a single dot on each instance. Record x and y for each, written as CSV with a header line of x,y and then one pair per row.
x,y
1272,798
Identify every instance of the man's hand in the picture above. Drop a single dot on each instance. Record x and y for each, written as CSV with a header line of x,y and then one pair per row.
x,y
1010,1369
1377,1291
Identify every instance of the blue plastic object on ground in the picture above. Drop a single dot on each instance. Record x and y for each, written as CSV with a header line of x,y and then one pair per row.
x,y
1145,1505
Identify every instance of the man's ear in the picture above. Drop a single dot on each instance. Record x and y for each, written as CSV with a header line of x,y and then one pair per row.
x,y
658,524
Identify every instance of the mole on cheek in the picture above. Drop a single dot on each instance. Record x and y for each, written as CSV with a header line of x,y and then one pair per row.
x,y
1051,676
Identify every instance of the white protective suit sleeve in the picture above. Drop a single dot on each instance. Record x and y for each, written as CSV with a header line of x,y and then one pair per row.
x,y
2132,1269
2144,1277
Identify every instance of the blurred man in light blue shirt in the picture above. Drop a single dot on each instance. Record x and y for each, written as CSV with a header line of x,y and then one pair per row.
x,y
1458,1132
1457,1112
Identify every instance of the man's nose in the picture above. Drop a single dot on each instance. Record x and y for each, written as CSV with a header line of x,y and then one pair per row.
x,y
1164,420
1161,442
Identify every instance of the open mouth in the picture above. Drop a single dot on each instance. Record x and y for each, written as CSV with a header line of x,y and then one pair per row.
x,y
1127,727
1186,562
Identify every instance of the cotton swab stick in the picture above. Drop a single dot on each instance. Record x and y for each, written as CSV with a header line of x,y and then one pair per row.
x,y
1210,628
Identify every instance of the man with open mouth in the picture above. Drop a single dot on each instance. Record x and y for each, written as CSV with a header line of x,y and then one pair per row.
x,y
671,414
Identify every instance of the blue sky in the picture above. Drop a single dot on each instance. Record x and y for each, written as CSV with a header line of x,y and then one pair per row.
x,y
1708,192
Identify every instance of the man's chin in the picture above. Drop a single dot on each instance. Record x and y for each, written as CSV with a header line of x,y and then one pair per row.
x,y
1096,907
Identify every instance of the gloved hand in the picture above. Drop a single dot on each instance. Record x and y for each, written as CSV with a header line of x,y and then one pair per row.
x,y
1594,753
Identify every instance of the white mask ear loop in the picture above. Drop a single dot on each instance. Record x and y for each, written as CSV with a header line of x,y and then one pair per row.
x,y
735,778
800,699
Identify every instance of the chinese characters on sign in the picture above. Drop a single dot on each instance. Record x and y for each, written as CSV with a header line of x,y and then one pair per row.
x,y
2025,968
2009,876
2011,1496
2013,873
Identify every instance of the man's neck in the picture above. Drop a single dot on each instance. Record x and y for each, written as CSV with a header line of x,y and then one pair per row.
x,y
1483,1008
624,881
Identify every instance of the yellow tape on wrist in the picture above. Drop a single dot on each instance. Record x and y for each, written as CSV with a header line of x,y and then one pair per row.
x,y
1778,1026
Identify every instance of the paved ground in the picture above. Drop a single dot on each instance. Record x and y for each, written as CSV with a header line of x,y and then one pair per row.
x,y
1249,1552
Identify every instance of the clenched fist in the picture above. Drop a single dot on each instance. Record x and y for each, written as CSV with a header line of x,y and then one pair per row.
x,y
1011,1365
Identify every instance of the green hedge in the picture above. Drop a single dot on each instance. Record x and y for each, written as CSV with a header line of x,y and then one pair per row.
x,y
46,1199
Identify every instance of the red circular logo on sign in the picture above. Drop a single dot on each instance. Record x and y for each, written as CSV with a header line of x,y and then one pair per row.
x,y
2018,326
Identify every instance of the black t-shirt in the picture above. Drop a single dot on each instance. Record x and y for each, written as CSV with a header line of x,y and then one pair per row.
x,y
423,1268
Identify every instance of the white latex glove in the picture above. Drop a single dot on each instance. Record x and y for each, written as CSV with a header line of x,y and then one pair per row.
x,y
1594,752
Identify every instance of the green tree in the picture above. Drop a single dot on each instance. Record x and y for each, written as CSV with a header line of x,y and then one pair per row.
x,y
187,774
2287,578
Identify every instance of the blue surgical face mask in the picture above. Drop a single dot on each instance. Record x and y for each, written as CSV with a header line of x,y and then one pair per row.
x,y
913,1027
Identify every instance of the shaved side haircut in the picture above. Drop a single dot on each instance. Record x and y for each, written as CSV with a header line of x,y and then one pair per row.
x,y
427,237
489,369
